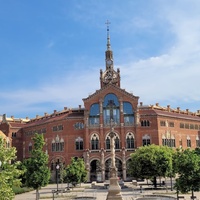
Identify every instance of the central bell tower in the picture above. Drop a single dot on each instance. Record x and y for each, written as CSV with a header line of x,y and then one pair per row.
x,y
109,76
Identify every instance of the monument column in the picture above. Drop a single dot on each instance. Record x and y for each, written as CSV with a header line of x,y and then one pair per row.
x,y
114,191
102,165
124,163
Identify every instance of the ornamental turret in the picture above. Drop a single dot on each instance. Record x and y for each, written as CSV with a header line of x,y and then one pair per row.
x,y
109,76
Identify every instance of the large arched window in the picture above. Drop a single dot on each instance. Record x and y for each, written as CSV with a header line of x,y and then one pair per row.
x,y
111,109
197,141
128,113
57,144
168,141
94,142
117,142
94,114
30,147
146,140
130,141
79,143
188,141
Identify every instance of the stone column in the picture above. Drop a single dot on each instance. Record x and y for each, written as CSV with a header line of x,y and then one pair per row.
x,y
124,163
87,164
102,165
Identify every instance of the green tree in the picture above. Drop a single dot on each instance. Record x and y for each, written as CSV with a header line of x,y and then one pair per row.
x,y
188,168
150,162
76,172
9,171
38,173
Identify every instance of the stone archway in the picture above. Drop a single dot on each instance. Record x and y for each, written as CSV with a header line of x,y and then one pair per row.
x,y
95,170
118,164
128,176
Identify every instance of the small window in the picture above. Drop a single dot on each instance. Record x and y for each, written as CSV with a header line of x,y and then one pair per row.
x,y
197,142
55,128
162,123
191,126
171,124
145,123
30,147
79,143
187,126
60,127
182,125
146,140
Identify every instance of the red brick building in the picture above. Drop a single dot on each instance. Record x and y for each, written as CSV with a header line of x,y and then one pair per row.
x,y
84,132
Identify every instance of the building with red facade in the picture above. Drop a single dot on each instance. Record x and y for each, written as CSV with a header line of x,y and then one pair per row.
x,y
84,132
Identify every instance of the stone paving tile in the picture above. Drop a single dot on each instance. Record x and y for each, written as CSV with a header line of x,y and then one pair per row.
x,y
128,193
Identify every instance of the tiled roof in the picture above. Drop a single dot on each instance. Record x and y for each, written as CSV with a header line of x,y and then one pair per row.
x,y
56,116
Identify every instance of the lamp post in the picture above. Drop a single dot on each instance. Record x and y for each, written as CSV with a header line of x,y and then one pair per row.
x,y
114,191
57,169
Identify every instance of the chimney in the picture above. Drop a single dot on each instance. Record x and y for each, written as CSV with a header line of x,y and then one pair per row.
x,y
157,104
37,116
65,108
79,107
27,118
168,108
54,111
187,111
45,114
141,103
12,117
178,109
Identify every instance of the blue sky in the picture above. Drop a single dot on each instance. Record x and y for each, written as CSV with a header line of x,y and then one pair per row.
x,y
52,52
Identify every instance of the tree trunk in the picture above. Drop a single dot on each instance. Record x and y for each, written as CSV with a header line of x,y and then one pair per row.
x,y
37,194
155,182
192,197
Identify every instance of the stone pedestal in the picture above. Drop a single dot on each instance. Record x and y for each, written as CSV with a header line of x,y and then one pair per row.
x,y
114,191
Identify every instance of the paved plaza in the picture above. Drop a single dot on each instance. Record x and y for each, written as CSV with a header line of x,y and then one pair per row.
x,y
129,192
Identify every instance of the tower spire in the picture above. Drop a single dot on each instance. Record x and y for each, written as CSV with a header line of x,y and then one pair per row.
x,y
108,35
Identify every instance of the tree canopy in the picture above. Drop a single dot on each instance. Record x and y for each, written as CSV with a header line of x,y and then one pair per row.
x,y
150,162
9,171
76,172
188,167
38,173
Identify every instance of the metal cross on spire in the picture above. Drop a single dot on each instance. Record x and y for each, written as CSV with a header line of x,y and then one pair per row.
x,y
108,35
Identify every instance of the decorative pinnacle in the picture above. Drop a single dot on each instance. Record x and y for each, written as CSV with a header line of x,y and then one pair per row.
x,y
108,35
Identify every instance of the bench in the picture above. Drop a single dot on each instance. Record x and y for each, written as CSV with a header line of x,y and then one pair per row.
x,y
181,197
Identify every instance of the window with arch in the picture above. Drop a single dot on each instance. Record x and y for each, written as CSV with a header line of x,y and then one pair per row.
x,y
111,107
7,143
197,141
30,147
130,141
57,144
188,141
145,123
170,142
94,114
128,113
79,143
146,140
95,142
117,142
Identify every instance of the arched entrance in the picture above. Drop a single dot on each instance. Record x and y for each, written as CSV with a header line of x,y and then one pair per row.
x,y
128,175
95,170
118,164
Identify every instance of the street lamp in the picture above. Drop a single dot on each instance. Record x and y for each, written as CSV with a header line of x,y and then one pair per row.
x,y
57,169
